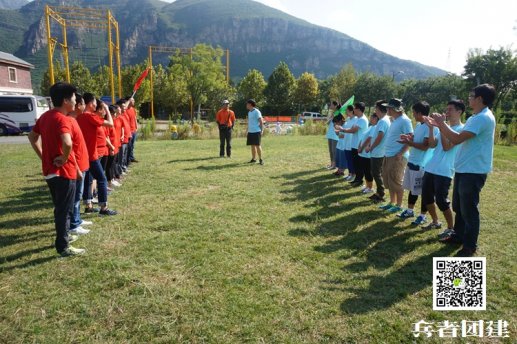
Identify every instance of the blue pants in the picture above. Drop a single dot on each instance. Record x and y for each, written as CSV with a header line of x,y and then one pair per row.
x,y
76,220
349,162
465,202
131,147
96,172
340,159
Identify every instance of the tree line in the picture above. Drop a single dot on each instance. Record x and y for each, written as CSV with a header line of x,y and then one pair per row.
x,y
198,80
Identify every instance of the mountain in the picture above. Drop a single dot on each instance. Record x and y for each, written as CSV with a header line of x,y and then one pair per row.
x,y
256,35
12,4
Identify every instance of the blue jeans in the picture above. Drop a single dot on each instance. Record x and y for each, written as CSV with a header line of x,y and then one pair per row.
x,y
349,162
131,146
62,191
96,172
76,220
465,202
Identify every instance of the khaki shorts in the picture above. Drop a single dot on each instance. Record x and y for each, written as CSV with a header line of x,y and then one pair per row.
x,y
393,173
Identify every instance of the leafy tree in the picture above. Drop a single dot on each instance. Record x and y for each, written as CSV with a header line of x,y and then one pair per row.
x,y
371,87
343,84
306,91
496,67
130,75
280,88
252,87
437,91
59,75
203,72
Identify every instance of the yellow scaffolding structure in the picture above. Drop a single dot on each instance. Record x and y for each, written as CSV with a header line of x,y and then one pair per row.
x,y
89,18
164,49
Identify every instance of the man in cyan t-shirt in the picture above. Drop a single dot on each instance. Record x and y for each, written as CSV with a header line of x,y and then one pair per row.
x,y
472,165
58,161
255,131
396,154
419,154
439,170
376,149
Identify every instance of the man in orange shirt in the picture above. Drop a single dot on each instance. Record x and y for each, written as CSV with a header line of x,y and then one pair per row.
x,y
225,119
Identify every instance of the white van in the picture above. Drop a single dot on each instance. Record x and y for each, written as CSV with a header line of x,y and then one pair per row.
x,y
315,116
18,113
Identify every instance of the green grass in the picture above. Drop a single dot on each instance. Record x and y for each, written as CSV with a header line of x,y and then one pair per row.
x,y
218,251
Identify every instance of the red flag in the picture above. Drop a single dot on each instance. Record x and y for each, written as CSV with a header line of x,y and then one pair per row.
x,y
140,80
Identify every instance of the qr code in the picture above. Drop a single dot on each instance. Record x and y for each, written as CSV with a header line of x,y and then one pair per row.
x,y
459,283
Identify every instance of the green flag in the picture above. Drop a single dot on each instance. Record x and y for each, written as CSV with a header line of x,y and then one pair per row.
x,y
350,101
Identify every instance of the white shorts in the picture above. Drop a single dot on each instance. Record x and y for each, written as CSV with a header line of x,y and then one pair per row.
x,y
413,181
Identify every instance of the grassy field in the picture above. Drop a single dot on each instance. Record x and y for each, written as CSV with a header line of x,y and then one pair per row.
x,y
210,250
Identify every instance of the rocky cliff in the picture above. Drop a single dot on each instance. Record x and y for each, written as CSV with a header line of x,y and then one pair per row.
x,y
256,35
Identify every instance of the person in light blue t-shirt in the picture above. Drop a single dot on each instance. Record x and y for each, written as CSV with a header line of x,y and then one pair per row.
x,y
350,121
376,149
418,156
338,122
439,170
255,131
357,131
364,156
396,154
331,135
473,163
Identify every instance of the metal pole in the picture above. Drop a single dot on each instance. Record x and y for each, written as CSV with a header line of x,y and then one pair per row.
x,y
110,54
151,79
118,60
228,66
49,47
191,100
64,47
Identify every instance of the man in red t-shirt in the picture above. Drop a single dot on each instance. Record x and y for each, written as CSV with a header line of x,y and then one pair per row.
x,y
131,112
126,134
58,161
81,156
89,122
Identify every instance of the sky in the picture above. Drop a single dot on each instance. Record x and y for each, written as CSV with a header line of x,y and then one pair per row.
x,y
438,33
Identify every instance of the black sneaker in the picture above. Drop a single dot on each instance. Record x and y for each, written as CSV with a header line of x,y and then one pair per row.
x,y
261,162
91,210
356,184
451,239
466,252
107,212
252,161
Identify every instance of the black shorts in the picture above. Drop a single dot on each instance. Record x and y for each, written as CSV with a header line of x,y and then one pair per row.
x,y
435,188
253,139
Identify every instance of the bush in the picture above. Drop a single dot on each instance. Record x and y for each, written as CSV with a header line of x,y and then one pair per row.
x,y
312,128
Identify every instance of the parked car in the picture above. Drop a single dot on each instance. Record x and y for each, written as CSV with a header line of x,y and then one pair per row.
x,y
315,116
18,113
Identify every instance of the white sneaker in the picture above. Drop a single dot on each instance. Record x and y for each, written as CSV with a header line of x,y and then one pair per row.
x,y
79,231
95,200
72,251
86,223
115,183
367,191
72,238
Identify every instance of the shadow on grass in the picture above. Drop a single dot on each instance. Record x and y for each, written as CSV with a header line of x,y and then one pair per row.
x,y
193,159
216,167
30,263
367,239
30,199
385,291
